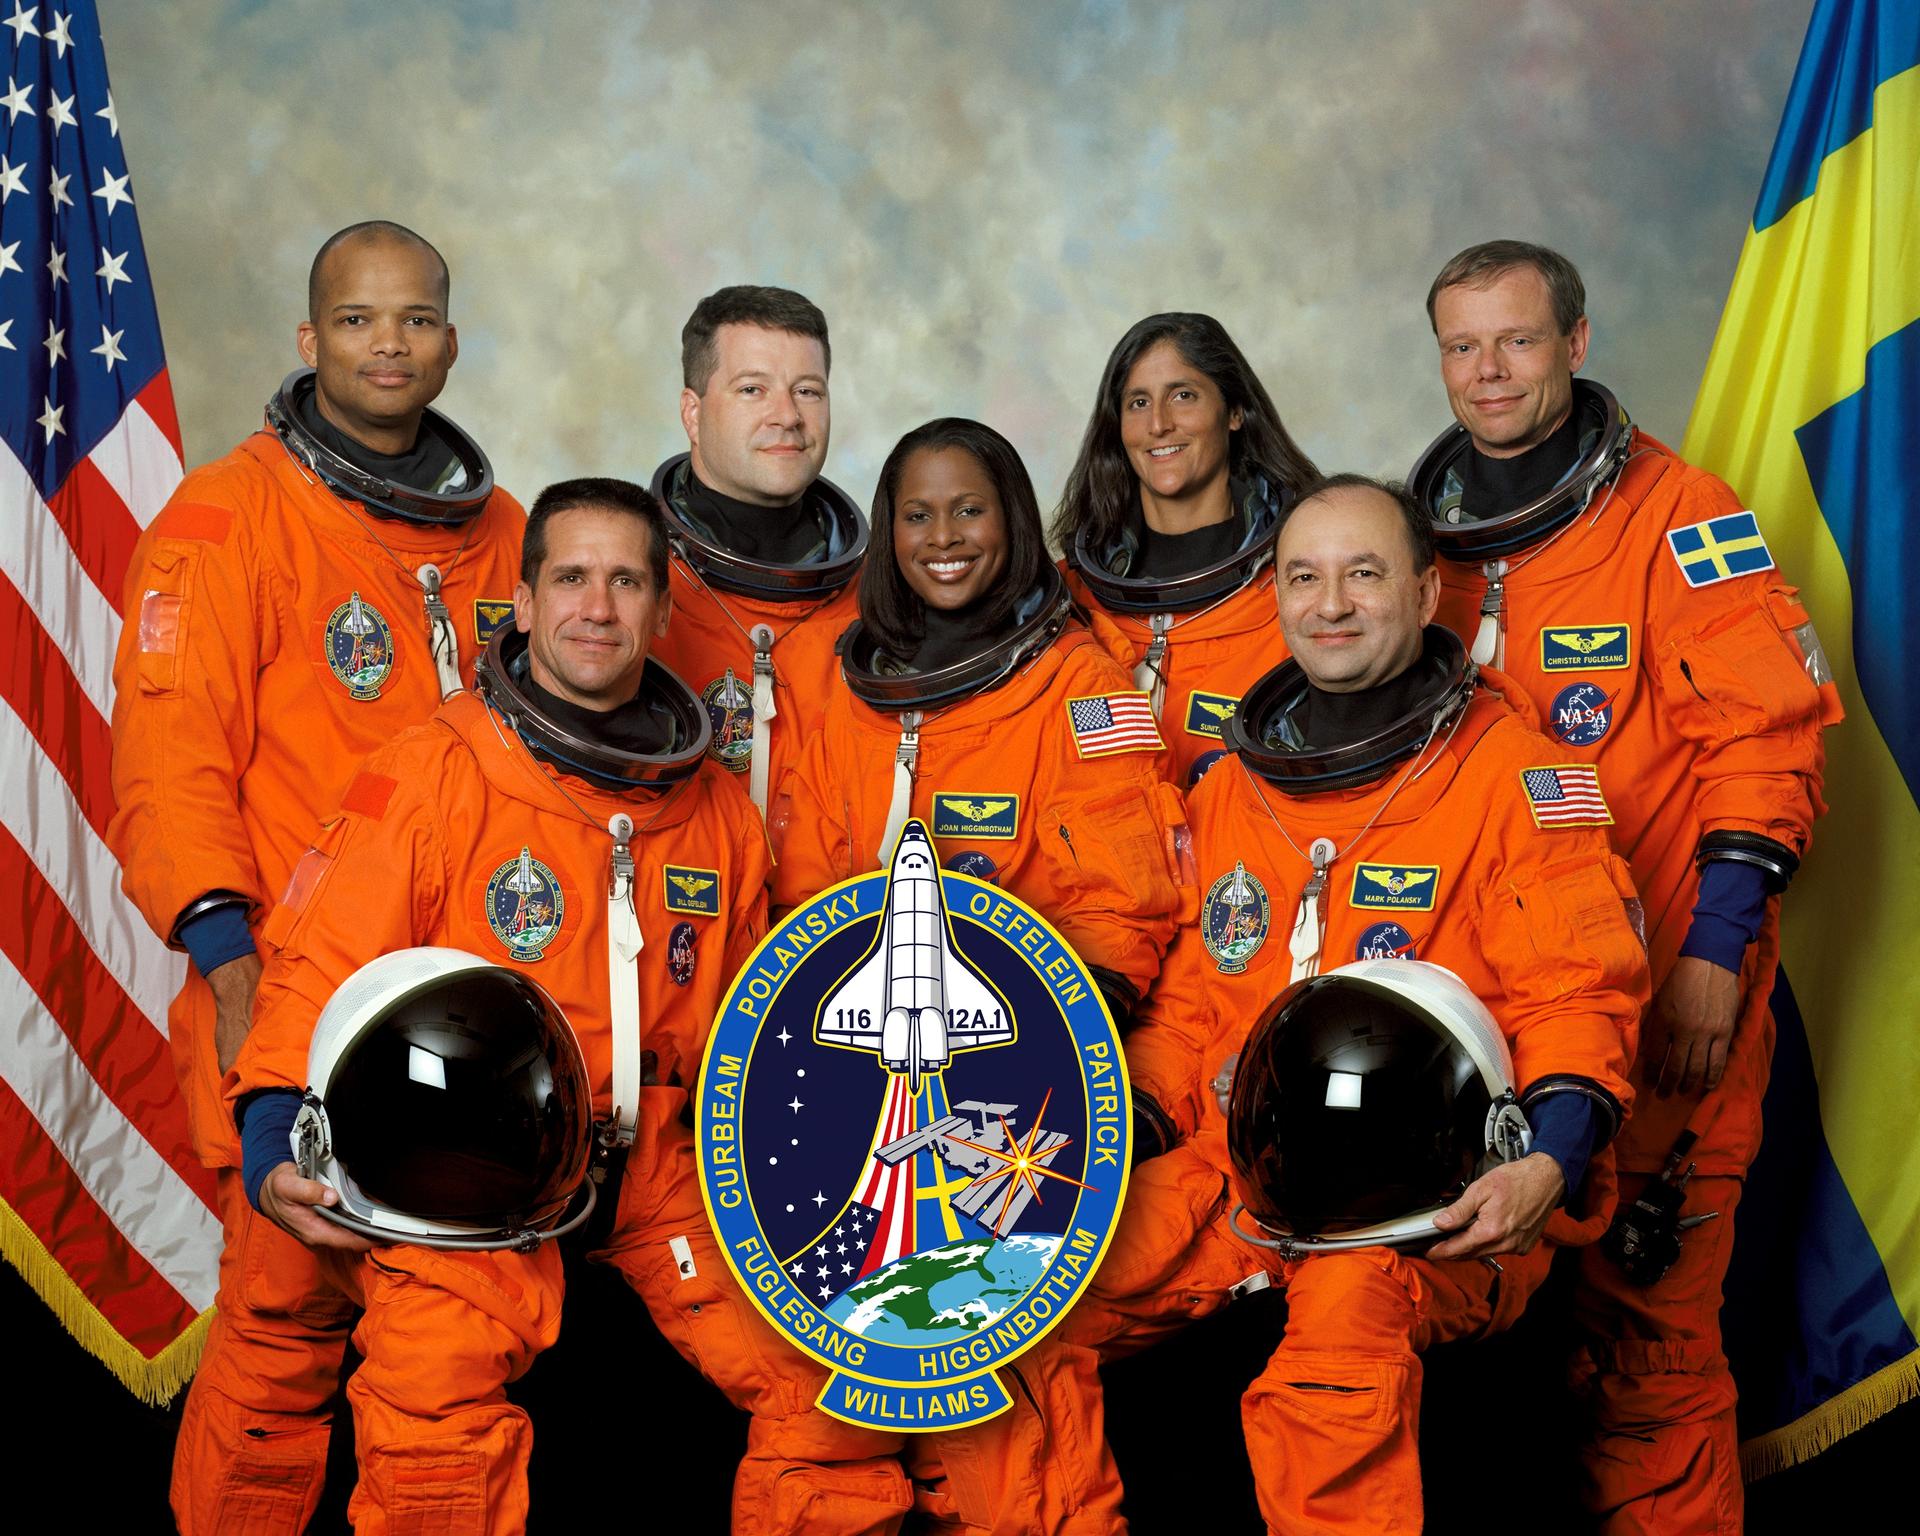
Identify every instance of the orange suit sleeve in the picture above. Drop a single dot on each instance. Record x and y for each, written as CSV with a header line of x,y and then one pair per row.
x,y
1557,929
1116,865
198,629
374,881
1741,673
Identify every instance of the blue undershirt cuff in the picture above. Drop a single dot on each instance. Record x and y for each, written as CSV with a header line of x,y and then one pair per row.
x,y
1566,1127
1727,913
266,1136
216,936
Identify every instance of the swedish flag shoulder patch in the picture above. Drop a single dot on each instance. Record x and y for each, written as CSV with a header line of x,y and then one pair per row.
x,y
1720,549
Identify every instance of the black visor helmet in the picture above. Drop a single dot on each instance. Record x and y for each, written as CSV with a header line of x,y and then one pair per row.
x,y
1031,628
1363,1102
1104,564
1606,438
447,1103
379,495
843,526
501,675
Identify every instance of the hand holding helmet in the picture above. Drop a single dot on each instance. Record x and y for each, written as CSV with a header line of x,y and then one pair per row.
x,y
1366,1102
288,1201
447,1106
1503,1211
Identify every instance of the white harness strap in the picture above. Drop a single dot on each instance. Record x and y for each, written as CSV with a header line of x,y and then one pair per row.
x,y
904,759
1308,925
1489,648
440,638
763,712
1149,677
624,943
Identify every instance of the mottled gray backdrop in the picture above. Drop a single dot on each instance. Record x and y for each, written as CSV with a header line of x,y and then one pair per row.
x,y
981,195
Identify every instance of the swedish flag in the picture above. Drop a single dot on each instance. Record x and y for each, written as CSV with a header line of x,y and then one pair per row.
x,y
1720,549
1810,409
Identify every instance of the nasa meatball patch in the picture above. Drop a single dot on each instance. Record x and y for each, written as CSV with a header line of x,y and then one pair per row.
x,y
1581,714
682,952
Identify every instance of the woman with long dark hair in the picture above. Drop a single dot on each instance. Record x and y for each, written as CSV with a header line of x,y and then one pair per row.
x,y
958,674
977,703
1168,518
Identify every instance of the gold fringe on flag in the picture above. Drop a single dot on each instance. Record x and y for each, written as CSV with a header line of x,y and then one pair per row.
x,y
157,1381
1810,1434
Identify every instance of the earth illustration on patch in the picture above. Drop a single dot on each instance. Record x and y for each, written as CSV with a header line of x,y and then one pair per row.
x,y
946,1293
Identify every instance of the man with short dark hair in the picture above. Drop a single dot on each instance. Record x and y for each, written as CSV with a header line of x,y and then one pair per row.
x,y
1637,605
563,821
1379,802
292,607
764,550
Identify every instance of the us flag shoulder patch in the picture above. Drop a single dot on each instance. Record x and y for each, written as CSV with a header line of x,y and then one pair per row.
x,y
1106,723
1566,795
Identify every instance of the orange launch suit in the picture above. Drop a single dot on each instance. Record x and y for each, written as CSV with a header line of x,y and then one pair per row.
x,y
715,634
1701,717
427,828
1536,920
1097,845
274,637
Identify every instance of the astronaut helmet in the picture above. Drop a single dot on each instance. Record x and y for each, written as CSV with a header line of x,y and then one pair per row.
x,y
1606,440
1363,1102
836,561
462,495
447,1104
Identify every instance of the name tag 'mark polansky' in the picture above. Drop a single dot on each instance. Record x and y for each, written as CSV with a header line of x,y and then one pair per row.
x,y
914,1134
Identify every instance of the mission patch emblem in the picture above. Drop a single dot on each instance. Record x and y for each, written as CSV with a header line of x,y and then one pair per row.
x,y
913,1132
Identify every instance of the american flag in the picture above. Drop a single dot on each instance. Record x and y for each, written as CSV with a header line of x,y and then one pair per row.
x,y
103,1207
1113,722
1566,796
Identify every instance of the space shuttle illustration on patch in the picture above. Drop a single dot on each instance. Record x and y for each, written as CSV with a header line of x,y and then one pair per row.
x,y
914,999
